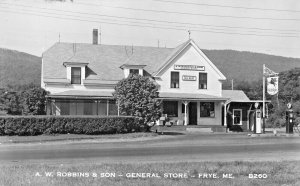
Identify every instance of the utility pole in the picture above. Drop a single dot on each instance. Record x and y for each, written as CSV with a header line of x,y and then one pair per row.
x,y
100,36
264,97
231,84
189,34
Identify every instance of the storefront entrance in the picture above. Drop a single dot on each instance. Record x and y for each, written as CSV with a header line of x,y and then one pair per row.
x,y
192,113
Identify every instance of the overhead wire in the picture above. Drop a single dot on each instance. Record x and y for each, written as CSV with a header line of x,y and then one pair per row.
x,y
141,26
154,20
195,14
228,6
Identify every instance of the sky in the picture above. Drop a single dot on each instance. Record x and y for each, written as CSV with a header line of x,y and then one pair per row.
x,y
264,26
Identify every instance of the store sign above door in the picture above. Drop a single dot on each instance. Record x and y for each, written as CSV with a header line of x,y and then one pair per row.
x,y
189,67
189,78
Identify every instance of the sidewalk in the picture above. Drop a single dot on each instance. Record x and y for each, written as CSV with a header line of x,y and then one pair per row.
x,y
280,132
69,138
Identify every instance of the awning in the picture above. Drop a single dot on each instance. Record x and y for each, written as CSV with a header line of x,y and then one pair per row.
x,y
82,94
185,96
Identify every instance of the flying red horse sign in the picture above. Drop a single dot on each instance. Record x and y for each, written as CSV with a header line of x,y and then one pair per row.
x,y
272,81
272,85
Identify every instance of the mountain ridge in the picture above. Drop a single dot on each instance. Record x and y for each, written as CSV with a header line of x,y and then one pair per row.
x,y
20,68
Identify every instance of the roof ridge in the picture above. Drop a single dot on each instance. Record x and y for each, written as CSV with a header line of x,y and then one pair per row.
x,y
120,45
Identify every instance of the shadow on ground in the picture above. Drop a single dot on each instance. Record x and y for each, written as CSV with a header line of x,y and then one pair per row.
x,y
170,133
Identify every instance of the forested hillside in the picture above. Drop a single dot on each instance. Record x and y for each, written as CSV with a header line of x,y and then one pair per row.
x,y
18,68
248,66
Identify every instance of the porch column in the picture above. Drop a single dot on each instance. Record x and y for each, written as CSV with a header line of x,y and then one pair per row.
x,y
185,111
107,107
225,115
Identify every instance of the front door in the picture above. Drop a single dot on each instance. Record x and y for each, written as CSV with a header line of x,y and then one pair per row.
x,y
237,117
192,113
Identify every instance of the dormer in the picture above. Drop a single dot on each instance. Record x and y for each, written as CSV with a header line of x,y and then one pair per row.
x,y
132,69
75,72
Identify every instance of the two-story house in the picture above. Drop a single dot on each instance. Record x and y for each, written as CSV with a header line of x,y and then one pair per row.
x,y
81,79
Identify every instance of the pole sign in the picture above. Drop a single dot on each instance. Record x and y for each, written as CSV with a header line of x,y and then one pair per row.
x,y
189,67
272,85
189,78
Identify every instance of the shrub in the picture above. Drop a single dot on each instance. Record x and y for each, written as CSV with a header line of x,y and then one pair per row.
x,y
297,121
36,125
33,101
137,96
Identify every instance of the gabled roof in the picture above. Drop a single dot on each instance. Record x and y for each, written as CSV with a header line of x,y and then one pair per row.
x,y
179,50
104,61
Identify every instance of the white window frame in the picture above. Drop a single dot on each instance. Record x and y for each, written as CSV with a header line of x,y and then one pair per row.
x,y
241,120
69,65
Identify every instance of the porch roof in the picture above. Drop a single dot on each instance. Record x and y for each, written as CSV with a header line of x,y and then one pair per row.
x,y
186,96
235,95
239,96
252,101
82,94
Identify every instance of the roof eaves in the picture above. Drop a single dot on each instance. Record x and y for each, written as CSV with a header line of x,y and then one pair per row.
x,y
222,77
132,66
177,51
74,64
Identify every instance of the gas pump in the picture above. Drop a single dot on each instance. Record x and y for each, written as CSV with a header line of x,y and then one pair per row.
x,y
289,116
257,120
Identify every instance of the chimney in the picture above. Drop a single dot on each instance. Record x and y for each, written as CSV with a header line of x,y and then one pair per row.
x,y
95,36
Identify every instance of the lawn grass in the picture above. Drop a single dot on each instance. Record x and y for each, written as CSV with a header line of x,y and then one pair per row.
x,y
73,137
279,173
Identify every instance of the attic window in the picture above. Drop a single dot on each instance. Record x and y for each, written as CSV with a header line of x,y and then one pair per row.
x,y
134,71
174,79
75,75
202,80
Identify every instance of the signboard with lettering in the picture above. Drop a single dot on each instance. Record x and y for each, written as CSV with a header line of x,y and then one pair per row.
x,y
189,67
272,85
189,78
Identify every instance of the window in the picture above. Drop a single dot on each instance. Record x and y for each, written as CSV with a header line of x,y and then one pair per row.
x,y
113,108
76,75
64,107
86,107
102,107
90,107
170,108
207,109
202,80
174,79
134,71
237,116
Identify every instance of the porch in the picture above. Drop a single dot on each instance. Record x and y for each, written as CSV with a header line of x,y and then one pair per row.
x,y
191,109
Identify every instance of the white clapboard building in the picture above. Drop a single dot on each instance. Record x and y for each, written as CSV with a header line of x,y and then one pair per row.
x,y
82,77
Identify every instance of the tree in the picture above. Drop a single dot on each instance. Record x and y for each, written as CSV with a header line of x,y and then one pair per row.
x,y
289,85
254,89
289,91
137,96
34,101
10,102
